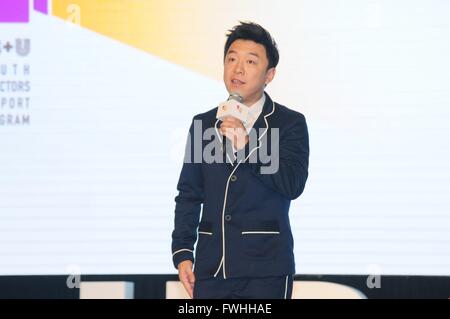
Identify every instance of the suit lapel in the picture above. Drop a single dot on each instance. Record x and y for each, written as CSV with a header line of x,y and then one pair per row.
x,y
262,124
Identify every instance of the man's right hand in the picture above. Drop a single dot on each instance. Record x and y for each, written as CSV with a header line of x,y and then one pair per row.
x,y
186,276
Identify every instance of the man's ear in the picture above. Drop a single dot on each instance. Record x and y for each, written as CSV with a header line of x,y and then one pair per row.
x,y
270,75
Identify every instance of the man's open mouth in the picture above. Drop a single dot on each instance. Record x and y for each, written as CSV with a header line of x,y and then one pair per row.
x,y
237,82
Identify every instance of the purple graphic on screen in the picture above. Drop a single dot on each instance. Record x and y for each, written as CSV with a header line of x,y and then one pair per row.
x,y
14,11
41,6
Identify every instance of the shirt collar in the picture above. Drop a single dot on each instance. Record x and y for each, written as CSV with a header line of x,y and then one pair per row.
x,y
256,109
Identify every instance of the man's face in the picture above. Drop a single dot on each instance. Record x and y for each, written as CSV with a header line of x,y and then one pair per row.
x,y
245,70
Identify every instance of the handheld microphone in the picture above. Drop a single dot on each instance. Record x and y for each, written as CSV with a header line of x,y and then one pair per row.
x,y
233,107
235,96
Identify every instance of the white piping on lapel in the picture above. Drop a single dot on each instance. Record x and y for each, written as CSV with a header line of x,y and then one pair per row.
x,y
222,262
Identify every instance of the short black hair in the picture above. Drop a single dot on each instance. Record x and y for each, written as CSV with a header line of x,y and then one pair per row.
x,y
254,32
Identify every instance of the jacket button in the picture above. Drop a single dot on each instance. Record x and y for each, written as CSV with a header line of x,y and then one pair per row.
x,y
233,178
227,218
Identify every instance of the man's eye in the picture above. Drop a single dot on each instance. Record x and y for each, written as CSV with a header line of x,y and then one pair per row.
x,y
251,62
231,59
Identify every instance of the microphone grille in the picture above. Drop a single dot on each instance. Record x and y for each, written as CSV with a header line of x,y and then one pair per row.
x,y
235,96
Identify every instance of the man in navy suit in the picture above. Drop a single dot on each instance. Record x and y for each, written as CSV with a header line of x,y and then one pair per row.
x,y
244,241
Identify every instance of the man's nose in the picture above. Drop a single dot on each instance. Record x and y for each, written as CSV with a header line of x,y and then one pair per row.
x,y
239,68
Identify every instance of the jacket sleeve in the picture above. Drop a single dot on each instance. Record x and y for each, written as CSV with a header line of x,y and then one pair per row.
x,y
292,173
187,205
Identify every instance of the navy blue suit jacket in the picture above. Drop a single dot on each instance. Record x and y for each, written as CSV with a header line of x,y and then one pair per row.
x,y
243,229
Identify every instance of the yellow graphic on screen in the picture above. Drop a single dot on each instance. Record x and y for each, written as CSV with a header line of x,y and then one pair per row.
x,y
188,33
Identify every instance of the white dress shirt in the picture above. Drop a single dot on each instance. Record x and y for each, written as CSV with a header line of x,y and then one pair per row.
x,y
254,112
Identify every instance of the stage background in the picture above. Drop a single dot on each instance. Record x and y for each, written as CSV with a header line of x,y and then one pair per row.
x,y
94,116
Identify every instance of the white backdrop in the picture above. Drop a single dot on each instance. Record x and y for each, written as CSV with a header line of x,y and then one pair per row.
x,y
88,170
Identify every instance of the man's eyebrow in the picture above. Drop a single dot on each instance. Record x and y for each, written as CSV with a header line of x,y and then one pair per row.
x,y
252,53
255,54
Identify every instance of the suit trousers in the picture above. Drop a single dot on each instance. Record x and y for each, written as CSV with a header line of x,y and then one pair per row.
x,y
276,287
